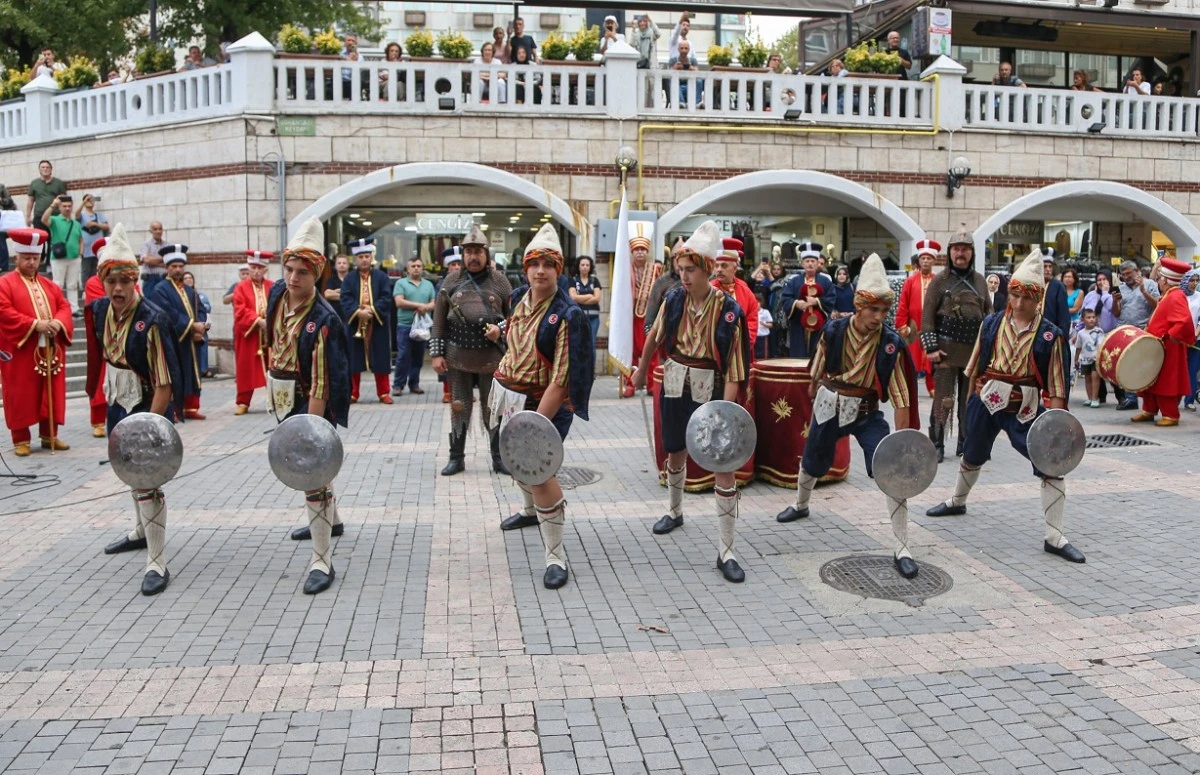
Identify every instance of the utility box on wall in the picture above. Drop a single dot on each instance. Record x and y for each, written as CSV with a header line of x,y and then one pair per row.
x,y
606,229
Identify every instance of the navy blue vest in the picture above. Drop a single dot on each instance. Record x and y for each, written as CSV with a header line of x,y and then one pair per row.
x,y
731,317
1043,345
885,356
146,316
579,344
322,315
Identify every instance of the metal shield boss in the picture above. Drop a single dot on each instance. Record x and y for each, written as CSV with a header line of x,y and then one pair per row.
x,y
1056,442
531,448
721,436
145,450
904,464
305,452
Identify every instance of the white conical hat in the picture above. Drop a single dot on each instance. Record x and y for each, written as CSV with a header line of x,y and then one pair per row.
x,y
545,239
641,233
873,286
117,247
1029,280
310,236
705,240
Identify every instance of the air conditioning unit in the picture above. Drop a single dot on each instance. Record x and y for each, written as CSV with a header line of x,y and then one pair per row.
x,y
549,21
414,18
483,21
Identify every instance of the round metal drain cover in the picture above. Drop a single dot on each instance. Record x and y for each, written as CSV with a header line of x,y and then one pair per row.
x,y
571,477
873,575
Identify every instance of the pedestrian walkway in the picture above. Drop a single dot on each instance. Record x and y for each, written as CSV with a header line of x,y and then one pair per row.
x,y
438,649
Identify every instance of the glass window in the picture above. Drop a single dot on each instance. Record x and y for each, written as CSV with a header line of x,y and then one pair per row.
x,y
1041,68
980,62
1102,70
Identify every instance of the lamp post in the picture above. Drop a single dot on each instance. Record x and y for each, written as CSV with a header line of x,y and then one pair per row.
x,y
154,21
626,162
960,168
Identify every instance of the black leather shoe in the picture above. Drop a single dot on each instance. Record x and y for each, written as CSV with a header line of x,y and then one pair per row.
x,y
906,566
125,545
731,570
498,467
1066,551
555,577
304,534
791,514
152,583
1126,405
318,581
667,524
945,510
455,466
941,453
518,521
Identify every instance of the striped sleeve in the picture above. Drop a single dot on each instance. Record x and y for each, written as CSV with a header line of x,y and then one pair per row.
x,y
816,367
560,370
898,389
1056,381
735,370
320,368
160,375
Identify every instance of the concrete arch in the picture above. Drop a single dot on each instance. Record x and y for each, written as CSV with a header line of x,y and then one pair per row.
x,y
462,173
854,196
1084,193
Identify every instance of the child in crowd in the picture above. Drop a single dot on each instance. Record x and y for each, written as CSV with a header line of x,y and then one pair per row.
x,y
765,321
1087,347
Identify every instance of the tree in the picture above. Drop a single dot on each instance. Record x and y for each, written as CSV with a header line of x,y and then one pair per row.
x,y
98,29
788,47
229,20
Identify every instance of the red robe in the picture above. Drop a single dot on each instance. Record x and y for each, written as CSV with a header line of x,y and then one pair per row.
x,y
25,400
641,295
749,304
909,311
93,289
247,338
1172,323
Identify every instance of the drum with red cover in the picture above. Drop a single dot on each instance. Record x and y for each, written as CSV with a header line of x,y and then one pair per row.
x,y
1131,358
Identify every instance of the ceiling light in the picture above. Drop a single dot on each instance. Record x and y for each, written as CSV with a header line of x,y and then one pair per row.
x,y
510,228
410,228
483,227
354,215
478,215
366,223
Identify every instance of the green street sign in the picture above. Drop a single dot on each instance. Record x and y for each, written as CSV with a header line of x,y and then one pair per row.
x,y
296,126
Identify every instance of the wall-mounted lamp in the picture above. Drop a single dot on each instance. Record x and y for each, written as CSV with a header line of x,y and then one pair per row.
x,y
960,168
626,162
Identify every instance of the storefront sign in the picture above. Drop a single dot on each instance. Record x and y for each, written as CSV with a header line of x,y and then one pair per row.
x,y
296,126
444,223
1021,231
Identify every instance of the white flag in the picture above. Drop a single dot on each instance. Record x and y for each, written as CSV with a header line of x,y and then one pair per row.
x,y
620,317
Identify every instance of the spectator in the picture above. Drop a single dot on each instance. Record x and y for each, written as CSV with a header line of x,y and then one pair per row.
x,y
1135,299
1005,76
765,324
584,290
333,286
1135,84
46,65
95,226
843,305
243,273
392,52
10,218
775,65
499,47
1100,298
519,40
414,296
487,56
521,57
645,40
42,191
998,297
609,34
679,34
189,280
196,59
1086,343
1070,279
1158,87
685,61
1081,82
1188,284
893,45
1055,306
65,260
153,269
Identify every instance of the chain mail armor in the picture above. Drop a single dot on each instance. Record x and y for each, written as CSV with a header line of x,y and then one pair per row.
x,y
955,306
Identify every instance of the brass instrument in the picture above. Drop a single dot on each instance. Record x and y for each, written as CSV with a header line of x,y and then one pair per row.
x,y
362,325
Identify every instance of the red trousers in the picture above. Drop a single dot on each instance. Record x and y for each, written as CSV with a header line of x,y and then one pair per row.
x,y
382,387
1168,405
99,414
244,396
191,405
23,434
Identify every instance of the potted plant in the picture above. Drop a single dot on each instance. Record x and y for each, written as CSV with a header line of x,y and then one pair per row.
x,y
753,54
153,60
419,45
454,45
80,73
585,43
12,83
555,48
294,40
328,43
720,56
868,60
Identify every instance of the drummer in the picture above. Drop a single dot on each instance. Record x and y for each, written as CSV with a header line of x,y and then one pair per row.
x,y
1171,322
700,335
860,361
1018,353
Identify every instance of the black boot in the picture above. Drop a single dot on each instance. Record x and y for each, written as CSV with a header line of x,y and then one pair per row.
x,y
458,451
497,463
936,434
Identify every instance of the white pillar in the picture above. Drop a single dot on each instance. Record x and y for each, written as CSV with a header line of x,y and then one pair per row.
x,y
621,91
38,95
949,90
253,61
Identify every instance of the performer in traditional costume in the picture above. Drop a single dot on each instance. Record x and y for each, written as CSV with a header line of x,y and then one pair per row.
x,y
466,346
912,304
860,361
1017,355
131,348
308,373
808,301
35,331
1172,323
451,263
956,302
701,336
93,290
725,277
249,328
366,306
548,368
189,322
645,273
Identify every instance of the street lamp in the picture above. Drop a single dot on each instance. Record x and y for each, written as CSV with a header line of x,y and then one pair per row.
x,y
626,162
960,168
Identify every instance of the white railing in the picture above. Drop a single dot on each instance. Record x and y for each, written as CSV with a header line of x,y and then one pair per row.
x,y
1012,108
12,123
769,96
308,85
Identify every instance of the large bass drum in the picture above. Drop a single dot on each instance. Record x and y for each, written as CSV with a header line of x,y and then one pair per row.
x,y
783,414
1130,358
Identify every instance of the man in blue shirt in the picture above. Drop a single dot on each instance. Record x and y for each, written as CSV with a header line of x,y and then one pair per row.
x,y
414,296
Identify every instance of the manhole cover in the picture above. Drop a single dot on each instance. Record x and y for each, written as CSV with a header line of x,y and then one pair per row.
x,y
1116,440
873,575
571,477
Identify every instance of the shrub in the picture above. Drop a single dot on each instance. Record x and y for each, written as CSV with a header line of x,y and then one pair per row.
x,y
867,57
719,56
80,71
328,43
555,47
752,53
295,40
419,44
153,59
585,42
13,81
454,45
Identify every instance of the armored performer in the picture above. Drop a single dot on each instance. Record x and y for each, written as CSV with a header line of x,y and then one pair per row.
x,y
860,361
130,348
700,335
1017,355
308,373
956,303
548,367
366,306
466,345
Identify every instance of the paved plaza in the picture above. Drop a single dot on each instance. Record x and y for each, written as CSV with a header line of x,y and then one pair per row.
x,y
438,649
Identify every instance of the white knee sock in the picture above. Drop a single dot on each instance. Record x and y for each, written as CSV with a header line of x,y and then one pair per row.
x,y
152,513
675,480
527,509
138,531
962,488
899,514
1054,503
551,520
727,514
321,509
804,488
337,518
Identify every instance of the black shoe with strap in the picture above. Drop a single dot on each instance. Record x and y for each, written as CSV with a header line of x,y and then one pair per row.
x,y
153,583
1066,551
305,534
791,514
554,577
318,581
125,544
667,524
944,509
518,521
731,570
906,567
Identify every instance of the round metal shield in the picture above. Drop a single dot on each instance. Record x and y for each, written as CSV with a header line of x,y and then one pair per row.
x,y
305,452
145,450
904,464
1056,442
531,448
721,436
